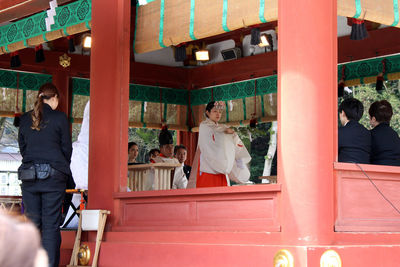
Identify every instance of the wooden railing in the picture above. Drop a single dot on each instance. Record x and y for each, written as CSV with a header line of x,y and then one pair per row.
x,y
153,176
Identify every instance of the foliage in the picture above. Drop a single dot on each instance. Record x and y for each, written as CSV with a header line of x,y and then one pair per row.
x,y
146,139
367,94
256,141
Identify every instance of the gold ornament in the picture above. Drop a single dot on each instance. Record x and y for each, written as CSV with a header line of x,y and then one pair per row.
x,y
330,258
84,255
65,60
283,258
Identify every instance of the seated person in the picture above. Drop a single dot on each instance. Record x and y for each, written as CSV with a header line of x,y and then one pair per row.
x,y
180,153
166,155
133,152
354,139
153,153
385,148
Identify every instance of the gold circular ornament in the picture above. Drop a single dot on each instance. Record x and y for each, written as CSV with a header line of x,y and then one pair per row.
x,y
283,258
65,60
330,258
84,255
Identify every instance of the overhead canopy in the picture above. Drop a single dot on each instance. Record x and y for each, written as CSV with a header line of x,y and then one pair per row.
x,y
162,23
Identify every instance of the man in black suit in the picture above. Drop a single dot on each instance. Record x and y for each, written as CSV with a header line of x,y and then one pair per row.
x,y
385,141
181,155
354,139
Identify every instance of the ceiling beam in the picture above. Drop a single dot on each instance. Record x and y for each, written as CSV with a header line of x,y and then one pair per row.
x,y
380,43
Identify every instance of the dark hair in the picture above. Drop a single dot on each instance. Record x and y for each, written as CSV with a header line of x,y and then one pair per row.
x,y
151,152
46,91
381,110
179,147
210,106
353,108
131,144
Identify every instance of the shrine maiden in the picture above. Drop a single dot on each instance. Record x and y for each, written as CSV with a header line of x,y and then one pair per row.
x,y
221,155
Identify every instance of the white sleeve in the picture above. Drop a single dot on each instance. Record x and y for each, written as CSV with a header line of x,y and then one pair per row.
x,y
180,180
213,149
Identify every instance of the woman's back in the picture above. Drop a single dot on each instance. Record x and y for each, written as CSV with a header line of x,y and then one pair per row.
x,y
51,144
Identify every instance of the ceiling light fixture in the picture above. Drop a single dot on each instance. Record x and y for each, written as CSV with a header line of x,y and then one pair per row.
x,y
202,55
87,41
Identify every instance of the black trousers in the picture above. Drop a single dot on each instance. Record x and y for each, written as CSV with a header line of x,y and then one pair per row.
x,y
42,202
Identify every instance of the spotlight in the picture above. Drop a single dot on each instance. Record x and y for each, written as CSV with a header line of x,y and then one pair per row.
x,y
180,53
231,53
202,55
265,40
87,41
255,36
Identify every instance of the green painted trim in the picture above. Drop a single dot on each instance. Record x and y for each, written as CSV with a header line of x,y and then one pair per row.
x,y
72,107
225,16
191,26
261,11
244,109
67,15
262,106
358,9
164,119
395,13
142,113
227,111
23,100
161,31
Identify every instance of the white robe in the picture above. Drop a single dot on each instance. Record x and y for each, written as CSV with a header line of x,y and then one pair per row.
x,y
79,163
220,153
180,181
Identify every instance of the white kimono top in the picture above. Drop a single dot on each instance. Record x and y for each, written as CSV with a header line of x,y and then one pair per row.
x,y
220,153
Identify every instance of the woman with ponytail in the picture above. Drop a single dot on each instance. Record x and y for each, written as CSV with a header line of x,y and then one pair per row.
x,y
45,146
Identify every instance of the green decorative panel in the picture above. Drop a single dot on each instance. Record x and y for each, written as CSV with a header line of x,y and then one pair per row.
x,y
369,68
175,96
232,91
80,86
67,15
144,93
27,81
267,85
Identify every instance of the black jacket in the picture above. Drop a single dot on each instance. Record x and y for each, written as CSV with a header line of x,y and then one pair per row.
x,y
52,144
385,145
354,143
187,169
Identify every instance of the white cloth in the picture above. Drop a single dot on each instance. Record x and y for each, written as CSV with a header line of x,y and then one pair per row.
x,y
180,180
220,153
79,164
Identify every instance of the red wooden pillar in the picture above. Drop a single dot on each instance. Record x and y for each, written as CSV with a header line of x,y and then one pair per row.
x,y
189,140
307,84
109,102
61,80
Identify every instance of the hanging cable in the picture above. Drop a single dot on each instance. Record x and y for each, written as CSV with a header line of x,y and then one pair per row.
x,y
377,189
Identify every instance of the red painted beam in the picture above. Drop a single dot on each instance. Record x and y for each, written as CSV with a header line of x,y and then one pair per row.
x,y
379,43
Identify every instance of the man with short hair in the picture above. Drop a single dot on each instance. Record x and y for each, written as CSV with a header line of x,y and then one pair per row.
x,y
167,156
354,139
385,148
181,155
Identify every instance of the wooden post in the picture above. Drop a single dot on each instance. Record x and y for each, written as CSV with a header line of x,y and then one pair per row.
x,y
109,102
307,97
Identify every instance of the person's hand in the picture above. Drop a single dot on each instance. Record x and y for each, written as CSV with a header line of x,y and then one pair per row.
x,y
229,131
